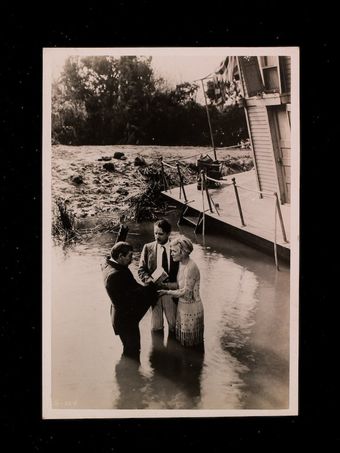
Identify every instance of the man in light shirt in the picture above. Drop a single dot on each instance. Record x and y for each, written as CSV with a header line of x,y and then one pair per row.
x,y
156,257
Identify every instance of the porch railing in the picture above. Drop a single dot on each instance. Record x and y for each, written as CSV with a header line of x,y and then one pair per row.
x,y
203,179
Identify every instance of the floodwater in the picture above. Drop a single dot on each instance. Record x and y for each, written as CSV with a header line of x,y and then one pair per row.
x,y
245,363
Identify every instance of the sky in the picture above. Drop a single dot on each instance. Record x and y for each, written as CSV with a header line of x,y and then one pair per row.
x,y
179,69
175,65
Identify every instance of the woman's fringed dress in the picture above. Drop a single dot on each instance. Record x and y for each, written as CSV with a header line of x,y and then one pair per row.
x,y
190,313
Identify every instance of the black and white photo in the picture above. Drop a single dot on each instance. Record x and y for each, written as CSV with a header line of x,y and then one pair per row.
x,y
170,232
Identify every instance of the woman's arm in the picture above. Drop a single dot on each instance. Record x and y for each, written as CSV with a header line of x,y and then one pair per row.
x,y
168,285
187,290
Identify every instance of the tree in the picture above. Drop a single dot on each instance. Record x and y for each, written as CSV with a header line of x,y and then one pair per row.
x,y
104,100
113,95
69,116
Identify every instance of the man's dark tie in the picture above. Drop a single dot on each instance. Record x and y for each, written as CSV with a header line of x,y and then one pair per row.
x,y
165,261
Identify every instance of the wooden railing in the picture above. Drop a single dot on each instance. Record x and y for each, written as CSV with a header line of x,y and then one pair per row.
x,y
203,180
270,195
277,212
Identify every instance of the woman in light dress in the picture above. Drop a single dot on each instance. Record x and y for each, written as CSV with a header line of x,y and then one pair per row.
x,y
190,313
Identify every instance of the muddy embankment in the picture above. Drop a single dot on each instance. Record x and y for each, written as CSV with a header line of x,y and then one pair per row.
x,y
93,186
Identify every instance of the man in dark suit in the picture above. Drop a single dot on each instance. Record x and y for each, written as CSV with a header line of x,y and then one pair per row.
x,y
130,300
157,255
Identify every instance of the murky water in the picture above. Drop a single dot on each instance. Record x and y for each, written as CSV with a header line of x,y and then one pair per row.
x,y
245,364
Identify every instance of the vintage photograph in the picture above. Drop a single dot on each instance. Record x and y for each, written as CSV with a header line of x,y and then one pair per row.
x,y
170,232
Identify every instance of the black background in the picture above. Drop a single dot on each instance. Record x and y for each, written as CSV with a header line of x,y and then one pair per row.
x,y
24,33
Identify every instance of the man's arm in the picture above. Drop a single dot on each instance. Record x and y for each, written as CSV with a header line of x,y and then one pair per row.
x,y
116,284
131,299
143,271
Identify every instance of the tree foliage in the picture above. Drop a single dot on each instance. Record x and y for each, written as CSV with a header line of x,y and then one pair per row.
x,y
106,101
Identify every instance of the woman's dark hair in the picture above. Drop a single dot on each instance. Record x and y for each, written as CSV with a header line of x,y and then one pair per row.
x,y
164,224
120,248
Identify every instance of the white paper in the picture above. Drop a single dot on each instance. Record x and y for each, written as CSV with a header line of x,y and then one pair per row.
x,y
159,273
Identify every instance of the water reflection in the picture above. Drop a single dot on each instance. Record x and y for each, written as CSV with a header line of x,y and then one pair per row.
x,y
245,363
176,372
172,382
131,384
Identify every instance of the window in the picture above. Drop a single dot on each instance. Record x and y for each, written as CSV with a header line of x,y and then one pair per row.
x,y
252,75
270,72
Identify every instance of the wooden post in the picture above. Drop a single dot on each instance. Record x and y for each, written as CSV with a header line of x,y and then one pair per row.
x,y
275,240
208,115
280,218
205,185
181,182
123,230
163,175
238,202
203,208
214,204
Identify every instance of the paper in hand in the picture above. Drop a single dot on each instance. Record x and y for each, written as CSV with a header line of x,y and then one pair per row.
x,y
159,275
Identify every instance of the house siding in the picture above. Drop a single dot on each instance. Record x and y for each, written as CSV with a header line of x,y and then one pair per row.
x,y
263,148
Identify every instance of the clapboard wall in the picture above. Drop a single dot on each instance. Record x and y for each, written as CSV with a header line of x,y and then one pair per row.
x,y
263,147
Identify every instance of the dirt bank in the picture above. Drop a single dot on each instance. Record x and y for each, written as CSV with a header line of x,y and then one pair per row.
x,y
96,188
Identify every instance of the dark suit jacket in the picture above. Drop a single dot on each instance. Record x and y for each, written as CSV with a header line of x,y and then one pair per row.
x,y
148,263
130,300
